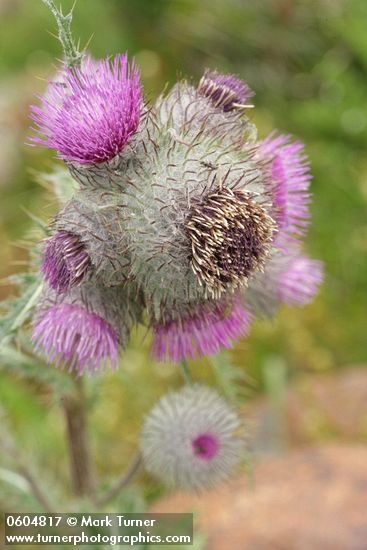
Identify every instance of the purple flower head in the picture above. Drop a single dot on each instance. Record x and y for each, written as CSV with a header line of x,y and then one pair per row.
x,y
73,337
227,92
206,446
192,438
90,115
299,282
66,261
203,333
291,181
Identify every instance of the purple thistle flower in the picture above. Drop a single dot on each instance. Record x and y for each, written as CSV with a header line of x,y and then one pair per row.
x,y
192,438
90,115
66,261
299,282
73,337
203,333
291,181
227,92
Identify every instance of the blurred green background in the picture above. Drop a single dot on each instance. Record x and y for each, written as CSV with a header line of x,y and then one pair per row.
x,y
307,62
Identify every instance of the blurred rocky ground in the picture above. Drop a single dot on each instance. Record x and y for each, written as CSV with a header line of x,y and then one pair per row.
x,y
310,499
307,493
315,409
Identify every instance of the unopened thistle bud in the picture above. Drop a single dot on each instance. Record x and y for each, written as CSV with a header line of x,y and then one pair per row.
x,y
226,92
88,244
192,439
66,261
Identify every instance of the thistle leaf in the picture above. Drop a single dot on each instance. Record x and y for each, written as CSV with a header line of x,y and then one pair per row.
x,y
233,381
17,361
20,309
60,182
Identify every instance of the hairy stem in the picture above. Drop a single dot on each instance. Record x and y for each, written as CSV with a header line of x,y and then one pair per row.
x,y
74,406
122,482
72,55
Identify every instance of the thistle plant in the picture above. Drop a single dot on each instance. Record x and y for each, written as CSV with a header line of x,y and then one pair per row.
x,y
183,220
179,205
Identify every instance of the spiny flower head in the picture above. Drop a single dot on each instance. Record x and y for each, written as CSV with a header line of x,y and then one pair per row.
x,y
66,261
191,213
94,222
83,327
230,236
191,439
90,114
73,337
203,332
226,92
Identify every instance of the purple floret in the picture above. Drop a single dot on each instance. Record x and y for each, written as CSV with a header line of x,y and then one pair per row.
x,y
300,281
225,91
205,446
91,113
73,337
66,261
290,174
203,333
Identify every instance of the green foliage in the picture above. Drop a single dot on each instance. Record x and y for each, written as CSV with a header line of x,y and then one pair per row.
x,y
20,309
59,182
16,351
22,362
231,379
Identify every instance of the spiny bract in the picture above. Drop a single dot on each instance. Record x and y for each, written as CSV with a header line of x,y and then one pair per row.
x,y
192,439
181,213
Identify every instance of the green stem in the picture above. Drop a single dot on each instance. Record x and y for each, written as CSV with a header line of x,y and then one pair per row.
x,y
122,482
20,462
72,55
186,372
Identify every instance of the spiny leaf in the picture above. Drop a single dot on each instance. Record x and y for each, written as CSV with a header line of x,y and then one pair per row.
x,y
38,222
14,479
16,361
20,309
72,56
60,182
21,279
233,381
